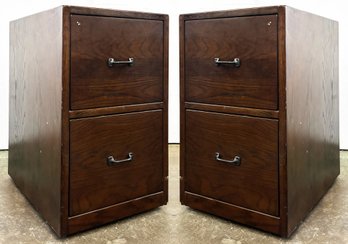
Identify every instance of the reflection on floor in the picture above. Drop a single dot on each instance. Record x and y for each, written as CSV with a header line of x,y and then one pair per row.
x,y
173,223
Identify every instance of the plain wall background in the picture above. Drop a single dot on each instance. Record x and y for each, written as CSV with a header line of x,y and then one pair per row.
x,y
15,9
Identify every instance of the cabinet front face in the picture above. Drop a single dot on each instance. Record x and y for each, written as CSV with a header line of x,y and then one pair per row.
x,y
248,78
233,159
115,61
114,159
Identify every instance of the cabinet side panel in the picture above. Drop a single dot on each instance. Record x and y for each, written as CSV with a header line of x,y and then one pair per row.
x,y
182,107
312,111
35,111
165,107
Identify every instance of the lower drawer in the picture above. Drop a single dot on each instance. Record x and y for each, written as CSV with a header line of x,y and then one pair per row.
x,y
114,159
233,159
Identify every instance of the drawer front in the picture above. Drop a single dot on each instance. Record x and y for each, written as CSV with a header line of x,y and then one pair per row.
x,y
252,184
96,39
251,39
95,180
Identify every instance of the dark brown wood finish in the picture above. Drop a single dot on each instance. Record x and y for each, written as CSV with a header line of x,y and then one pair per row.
x,y
283,196
94,183
165,108
64,179
114,212
96,39
35,111
182,108
73,114
312,111
40,161
306,94
253,40
116,13
254,183
233,110
233,212
232,13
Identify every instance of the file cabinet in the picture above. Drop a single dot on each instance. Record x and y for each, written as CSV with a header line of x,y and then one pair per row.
x,y
259,114
88,114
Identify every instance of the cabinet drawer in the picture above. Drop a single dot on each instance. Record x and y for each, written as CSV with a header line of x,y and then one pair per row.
x,y
96,183
254,183
96,39
251,39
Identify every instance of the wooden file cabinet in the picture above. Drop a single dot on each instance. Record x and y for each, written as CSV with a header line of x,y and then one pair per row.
x,y
88,134
259,133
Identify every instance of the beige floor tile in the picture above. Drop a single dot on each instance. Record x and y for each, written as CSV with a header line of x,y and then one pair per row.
x,y
173,223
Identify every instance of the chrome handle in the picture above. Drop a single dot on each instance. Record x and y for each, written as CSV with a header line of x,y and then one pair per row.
x,y
235,62
236,161
111,161
112,61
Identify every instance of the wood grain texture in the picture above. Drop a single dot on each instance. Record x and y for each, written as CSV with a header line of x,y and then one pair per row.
x,y
307,112
253,184
182,107
64,205
93,183
40,93
283,196
159,67
94,39
114,212
35,111
233,110
232,13
165,106
229,211
116,13
73,114
312,110
251,39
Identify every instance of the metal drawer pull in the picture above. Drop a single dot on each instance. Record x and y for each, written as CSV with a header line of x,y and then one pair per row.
x,y
112,61
235,62
111,161
236,161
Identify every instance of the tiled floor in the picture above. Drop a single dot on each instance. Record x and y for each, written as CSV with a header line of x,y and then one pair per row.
x,y
173,223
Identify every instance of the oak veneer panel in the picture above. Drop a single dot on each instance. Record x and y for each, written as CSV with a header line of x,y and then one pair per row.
x,y
233,110
117,13
307,112
232,13
114,110
253,40
41,148
35,111
116,211
95,39
254,140
93,183
230,211
312,110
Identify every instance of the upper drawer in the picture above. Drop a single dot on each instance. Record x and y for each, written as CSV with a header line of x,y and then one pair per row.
x,y
253,40
96,39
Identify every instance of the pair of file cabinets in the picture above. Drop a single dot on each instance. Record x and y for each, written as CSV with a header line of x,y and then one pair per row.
x,y
89,108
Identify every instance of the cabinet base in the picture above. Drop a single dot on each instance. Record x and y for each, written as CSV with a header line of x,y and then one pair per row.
x,y
232,212
115,212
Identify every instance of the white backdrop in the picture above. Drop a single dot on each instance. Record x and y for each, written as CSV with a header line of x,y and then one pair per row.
x,y
14,9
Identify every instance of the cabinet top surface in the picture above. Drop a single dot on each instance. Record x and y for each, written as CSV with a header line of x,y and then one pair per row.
x,y
233,12
101,12
266,10
114,12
